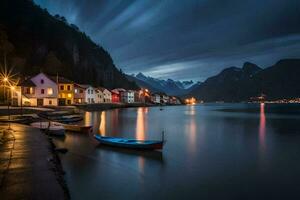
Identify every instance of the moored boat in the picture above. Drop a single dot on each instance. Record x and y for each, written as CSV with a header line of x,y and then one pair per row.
x,y
130,143
50,128
77,128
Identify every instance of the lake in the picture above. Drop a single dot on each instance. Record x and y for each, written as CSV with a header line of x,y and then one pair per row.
x,y
213,151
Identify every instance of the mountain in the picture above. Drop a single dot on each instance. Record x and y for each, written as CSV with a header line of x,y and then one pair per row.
x,y
239,84
38,41
168,86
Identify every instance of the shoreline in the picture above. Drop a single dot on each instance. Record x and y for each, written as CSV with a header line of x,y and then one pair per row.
x,y
31,167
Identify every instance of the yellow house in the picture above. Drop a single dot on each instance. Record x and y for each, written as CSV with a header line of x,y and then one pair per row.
x,y
65,91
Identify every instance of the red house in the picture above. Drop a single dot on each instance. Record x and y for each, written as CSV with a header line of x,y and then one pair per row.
x,y
115,96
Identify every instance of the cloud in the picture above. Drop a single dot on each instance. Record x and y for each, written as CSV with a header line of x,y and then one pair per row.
x,y
187,39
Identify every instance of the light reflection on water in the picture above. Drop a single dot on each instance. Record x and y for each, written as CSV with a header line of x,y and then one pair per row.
x,y
209,154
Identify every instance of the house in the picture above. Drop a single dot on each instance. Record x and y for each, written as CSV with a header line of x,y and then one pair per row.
x,y
46,91
90,94
174,100
115,96
164,98
99,95
65,90
25,93
155,98
79,93
127,96
106,95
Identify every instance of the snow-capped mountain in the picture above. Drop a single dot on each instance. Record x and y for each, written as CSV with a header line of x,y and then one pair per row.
x,y
169,86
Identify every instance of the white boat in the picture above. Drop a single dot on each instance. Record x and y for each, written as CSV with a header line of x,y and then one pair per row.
x,y
50,128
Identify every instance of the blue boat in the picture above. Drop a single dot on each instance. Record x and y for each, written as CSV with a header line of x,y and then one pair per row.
x,y
130,143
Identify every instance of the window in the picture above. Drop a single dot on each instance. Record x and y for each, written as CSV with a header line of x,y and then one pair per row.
x,y
50,102
50,91
88,91
42,91
27,91
62,87
80,91
42,81
76,90
92,91
69,95
69,87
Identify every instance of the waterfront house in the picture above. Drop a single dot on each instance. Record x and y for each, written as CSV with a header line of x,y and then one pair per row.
x,y
155,98
90,95
65,90
25,92
174,100
79,93
106,95
99,95
164,98
127,96
115,96
45,91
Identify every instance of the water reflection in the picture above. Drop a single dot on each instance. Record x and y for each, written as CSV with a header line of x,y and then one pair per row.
x,y
141,123
262,127
102,128
191,129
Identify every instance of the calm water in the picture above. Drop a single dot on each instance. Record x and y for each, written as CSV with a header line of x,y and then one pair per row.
x,y
213,151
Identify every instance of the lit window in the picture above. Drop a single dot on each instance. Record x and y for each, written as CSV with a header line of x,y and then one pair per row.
x,y
69,95
76,90
50,91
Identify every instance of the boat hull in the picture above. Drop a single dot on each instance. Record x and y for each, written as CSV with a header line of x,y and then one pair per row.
x,y
77,128
130,143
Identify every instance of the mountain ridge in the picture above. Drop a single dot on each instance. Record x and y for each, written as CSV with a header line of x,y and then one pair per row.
x,y
240,84
42,42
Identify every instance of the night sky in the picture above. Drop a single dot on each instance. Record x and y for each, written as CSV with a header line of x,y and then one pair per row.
x,y
185,40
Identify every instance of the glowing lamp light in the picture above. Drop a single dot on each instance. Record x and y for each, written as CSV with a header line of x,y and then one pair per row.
x,y
12,88
5,79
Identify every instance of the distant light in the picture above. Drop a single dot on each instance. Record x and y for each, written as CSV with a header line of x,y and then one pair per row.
x,y
5,79
12,88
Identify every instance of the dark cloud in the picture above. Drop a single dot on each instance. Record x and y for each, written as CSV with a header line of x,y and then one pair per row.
x,y
187,39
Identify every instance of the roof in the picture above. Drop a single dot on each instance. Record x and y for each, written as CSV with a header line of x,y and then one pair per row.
x,y
83,86
27,83
60,79
102,89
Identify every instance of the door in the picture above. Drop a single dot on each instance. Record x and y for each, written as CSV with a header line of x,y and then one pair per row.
x,y
40,102
62,102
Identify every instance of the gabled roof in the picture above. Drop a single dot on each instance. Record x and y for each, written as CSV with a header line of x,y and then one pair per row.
x,y
27,83
83,86
60,79
102,89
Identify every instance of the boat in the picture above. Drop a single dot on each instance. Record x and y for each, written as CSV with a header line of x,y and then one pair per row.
x,y
130,143
77,128
50,128
61,116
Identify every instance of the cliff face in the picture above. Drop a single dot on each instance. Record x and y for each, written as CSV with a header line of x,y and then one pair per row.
x,y
239,84
42,42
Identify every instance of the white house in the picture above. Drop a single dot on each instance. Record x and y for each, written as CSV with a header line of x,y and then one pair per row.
x,y
46,91
127,96
155,98
39,90
90,95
